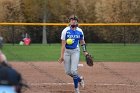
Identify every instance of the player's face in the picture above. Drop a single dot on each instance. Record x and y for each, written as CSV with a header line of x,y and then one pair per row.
x,y
73,22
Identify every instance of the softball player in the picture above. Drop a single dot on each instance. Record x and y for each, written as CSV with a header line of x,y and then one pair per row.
x,y
70,53
10,79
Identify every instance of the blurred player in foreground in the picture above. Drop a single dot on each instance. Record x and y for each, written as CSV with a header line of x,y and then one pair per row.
x,y
70,51
10,79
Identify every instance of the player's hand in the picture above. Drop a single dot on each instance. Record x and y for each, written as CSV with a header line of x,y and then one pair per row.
x,y
61,59
89,60
85,53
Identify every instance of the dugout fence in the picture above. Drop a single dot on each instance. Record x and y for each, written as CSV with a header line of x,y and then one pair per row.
x,y
94,32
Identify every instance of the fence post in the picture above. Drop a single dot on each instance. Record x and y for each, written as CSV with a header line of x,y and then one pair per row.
x,y
124,36
13,35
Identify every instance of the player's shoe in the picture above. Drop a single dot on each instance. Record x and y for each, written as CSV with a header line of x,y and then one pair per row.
x,y
77,90
82,83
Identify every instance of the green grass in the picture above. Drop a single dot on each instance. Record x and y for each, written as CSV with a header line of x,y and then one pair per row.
x,y
101,52
115,52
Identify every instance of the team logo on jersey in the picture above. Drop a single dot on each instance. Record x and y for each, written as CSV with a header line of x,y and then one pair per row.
x,y
68,32
73,36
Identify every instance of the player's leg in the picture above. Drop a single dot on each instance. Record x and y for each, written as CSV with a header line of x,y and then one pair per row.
x,y
74,67
67,62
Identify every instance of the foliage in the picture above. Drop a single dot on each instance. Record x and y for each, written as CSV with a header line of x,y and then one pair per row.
x,y
91,11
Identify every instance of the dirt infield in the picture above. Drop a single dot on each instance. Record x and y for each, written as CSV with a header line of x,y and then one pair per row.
x,y
104,77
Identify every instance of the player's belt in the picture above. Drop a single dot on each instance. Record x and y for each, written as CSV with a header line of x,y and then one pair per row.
x,y
4,82
70,48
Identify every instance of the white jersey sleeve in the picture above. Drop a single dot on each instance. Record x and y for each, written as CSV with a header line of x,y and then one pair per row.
x,y
79,29
63,34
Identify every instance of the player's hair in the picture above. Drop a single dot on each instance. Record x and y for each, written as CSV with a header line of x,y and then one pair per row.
x,y
74,17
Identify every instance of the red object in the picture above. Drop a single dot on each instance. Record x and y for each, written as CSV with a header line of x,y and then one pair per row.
x,y
27,41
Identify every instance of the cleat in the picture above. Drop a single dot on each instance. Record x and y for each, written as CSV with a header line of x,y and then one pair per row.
x,y
77,90
82,84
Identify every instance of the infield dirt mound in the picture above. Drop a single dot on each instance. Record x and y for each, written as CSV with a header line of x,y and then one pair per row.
x,y
103,77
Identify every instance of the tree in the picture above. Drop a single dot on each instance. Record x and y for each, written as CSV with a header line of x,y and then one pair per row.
x,y
11,13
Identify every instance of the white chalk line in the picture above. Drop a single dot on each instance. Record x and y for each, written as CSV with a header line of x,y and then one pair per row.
x,y
99,84
80,65
105,84
38,84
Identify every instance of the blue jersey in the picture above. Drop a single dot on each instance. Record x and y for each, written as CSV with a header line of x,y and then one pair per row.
x,y
75,35
9,76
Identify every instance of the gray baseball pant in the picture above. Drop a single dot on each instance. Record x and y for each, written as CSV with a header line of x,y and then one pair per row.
x,y
71,60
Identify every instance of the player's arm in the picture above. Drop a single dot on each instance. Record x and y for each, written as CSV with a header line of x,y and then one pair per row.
x,y
63,48
82,42
83,46
63,43
61,59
